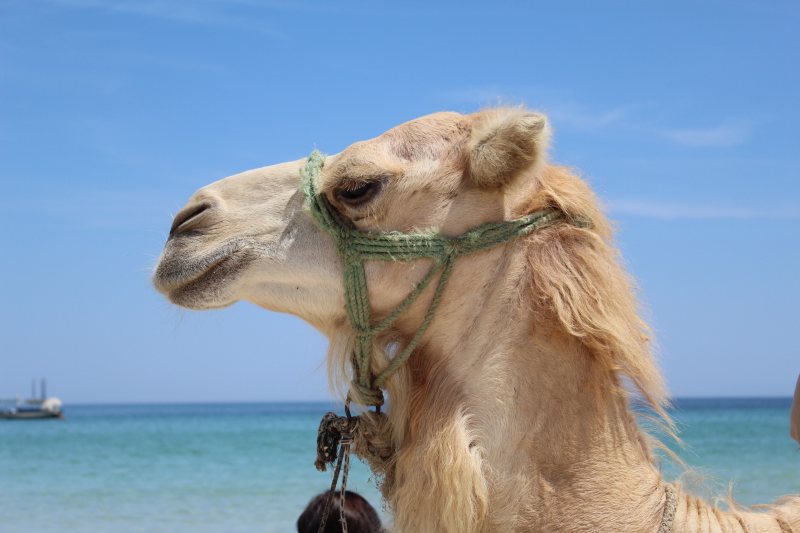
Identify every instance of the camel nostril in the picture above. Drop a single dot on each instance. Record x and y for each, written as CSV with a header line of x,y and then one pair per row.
x,y
188,217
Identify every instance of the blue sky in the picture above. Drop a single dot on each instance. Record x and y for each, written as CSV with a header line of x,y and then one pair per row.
x,y
683,115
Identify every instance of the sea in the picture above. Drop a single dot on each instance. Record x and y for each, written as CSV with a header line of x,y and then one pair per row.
x,y
249,468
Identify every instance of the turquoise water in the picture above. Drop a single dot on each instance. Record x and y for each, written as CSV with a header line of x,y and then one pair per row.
x,y
249,467
737,444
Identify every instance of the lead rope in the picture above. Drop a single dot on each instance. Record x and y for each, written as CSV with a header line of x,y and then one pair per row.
x,y
345,470
334,439
329,499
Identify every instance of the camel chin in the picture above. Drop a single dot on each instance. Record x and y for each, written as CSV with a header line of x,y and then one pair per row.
x,y
207,281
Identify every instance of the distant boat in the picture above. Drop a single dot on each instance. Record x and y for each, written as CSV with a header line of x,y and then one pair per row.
x,y
32,408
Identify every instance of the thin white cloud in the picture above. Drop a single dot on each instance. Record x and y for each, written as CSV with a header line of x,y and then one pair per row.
x,y
566,114
627,119
666,210
723,136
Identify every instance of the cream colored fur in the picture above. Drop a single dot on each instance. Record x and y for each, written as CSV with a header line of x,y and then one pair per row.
x,y
512,415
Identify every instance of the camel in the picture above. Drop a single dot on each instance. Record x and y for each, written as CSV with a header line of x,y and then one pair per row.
x,y
514,411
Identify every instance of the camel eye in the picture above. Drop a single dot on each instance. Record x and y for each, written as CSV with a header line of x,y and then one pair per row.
x,y
358,193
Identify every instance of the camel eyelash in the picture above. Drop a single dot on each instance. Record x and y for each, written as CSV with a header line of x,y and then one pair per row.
x,y
352,185
357,192
355,183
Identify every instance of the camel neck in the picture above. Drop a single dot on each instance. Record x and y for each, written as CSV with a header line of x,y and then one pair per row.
x,y
544,429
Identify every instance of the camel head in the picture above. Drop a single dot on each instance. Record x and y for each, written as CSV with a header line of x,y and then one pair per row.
x,y
515,401
248,236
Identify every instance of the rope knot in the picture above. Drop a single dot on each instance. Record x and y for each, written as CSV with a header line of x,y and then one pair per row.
x,y
452,248
333,431
367,394
345,247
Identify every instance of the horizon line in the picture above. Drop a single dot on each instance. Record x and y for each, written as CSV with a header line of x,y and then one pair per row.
x,y
334,401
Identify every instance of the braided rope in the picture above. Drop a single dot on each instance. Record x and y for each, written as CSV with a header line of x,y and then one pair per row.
x,y
329,500
356,247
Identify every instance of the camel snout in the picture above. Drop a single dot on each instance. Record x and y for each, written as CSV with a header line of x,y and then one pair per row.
x,y
191,218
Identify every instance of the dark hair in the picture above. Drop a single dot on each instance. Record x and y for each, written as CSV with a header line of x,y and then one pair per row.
x,y
361,517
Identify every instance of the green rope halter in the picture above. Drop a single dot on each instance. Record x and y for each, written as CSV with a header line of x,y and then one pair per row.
x,y
356,247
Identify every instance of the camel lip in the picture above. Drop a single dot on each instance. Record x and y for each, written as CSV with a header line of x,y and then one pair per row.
x,y
176,276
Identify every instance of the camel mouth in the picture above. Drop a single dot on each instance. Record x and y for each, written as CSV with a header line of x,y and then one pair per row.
x,y
200,283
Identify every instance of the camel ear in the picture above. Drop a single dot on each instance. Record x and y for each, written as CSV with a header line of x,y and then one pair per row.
x,y
504,143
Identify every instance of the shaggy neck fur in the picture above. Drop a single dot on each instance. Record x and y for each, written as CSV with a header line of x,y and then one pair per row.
x,y
518,416
512,417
